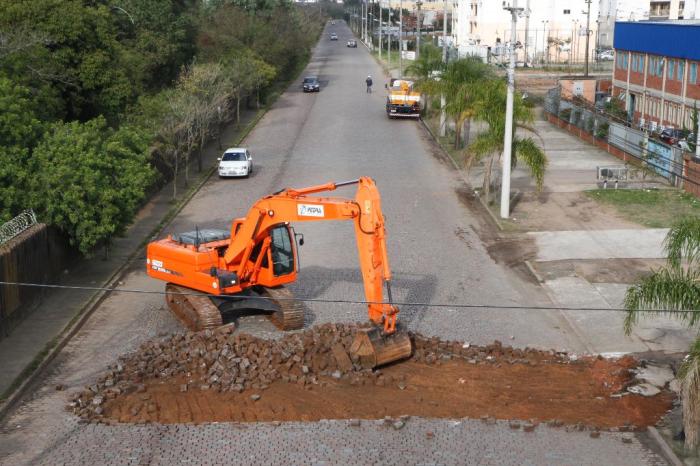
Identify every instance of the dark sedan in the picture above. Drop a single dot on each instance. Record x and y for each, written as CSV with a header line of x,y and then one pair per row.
x,y
311,84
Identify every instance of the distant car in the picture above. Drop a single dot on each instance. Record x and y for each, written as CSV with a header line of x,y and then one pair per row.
x,y
672,136
332,23
334,36
352,43
606,55
236,161
311,84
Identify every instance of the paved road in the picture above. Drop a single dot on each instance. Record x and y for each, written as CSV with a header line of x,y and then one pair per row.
x,y
340,133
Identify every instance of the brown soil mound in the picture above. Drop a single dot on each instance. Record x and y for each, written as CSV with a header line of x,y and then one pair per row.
x,y
220,376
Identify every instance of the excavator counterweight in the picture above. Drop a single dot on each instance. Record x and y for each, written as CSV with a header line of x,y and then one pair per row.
x,y
215,272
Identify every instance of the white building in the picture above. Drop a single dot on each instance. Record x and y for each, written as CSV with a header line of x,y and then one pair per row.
x,y
618,10
551,31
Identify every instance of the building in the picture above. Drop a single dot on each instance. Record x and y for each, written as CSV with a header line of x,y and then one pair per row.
x,y
673,9
550,31
618,10
656,71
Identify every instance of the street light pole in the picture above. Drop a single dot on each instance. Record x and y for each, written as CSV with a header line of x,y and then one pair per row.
x,y
400,39
508,136
380,29
588,33
418,5
443,102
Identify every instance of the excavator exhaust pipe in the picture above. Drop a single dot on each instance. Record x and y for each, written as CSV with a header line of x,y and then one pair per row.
x,y
373,348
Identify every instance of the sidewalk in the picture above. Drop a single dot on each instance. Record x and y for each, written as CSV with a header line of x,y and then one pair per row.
x,y
33,338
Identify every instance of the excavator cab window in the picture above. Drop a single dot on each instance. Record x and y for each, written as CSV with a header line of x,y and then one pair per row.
x,y
281,250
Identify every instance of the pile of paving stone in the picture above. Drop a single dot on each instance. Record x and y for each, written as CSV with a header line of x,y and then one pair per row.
x,y
223,361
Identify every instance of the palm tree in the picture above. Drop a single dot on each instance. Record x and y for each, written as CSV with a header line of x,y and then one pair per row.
x,y
674,291
460,83
489,106
423,70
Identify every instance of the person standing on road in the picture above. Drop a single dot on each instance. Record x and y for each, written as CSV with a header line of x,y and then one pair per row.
x,y
369,84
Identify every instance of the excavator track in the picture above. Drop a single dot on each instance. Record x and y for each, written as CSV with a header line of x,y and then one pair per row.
x,y
290,315
195,311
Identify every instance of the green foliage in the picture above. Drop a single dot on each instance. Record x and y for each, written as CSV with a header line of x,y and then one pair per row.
x,y
490,107
89,180
602,131
674,291
424,69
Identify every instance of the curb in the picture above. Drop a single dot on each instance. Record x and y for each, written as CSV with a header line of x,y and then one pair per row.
x,y
666,449
54,347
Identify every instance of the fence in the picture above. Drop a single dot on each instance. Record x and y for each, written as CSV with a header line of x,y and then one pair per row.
x,y
17,225
631,145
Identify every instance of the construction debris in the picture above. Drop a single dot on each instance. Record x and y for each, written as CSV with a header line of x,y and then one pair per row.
x,y
220,375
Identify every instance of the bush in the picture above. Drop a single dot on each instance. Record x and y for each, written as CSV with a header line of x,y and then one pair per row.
x,y
565,114
88,179
602,131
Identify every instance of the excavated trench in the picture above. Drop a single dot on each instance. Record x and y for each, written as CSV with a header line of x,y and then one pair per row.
x,y
223,376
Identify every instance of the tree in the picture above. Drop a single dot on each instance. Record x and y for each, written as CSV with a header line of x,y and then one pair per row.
x,y
89,180
674,291
424,69
490,107
19,131
460,84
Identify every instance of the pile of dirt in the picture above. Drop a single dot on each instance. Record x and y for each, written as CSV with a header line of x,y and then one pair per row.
x,y
218,375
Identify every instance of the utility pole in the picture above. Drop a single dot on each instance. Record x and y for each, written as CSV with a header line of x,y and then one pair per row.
x,y
380,29
400,39
443,102
508,136
588,34
527,32
418,5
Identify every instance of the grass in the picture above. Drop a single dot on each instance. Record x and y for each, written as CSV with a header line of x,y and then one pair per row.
x,y
652,208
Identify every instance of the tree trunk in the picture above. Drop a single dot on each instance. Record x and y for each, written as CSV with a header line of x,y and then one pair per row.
x,y
487,179
467,129
458,134
201,149
175,168
238,110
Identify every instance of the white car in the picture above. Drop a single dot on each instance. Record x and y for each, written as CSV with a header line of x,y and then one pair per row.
x,y
235,162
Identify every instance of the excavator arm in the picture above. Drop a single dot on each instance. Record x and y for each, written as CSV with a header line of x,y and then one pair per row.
x,y
297,205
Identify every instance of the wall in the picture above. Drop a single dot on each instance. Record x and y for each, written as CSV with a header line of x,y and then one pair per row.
x,y
37,255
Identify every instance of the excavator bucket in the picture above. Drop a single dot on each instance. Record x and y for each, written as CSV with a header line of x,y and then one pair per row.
x,y
372,348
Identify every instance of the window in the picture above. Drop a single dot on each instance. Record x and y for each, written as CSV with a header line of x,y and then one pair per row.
x,y
625,61
681,70
641,63
671,64
652,66
281,250
693,73
635,58
659,67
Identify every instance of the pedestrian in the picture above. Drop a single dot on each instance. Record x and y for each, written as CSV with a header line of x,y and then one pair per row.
x,y
369,84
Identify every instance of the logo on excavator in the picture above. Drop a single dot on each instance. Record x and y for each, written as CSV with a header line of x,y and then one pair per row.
x,y
309,210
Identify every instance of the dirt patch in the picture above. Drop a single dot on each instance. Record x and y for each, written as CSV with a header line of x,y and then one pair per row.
x,y
565,211
223,376
599,270
573,394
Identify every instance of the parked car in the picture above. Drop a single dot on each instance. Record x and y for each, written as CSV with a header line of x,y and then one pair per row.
x,y
311,84
672,136
332,23
236,161
334,36
352,43
606,55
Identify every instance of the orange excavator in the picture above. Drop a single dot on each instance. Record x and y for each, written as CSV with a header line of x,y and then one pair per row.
x,y
210,272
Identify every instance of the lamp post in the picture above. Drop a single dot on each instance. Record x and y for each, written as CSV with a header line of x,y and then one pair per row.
x,y
545,44
418,5
400,39
508,136
588,34
380,30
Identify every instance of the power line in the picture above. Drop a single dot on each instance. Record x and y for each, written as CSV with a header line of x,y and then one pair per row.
x,y
349,301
